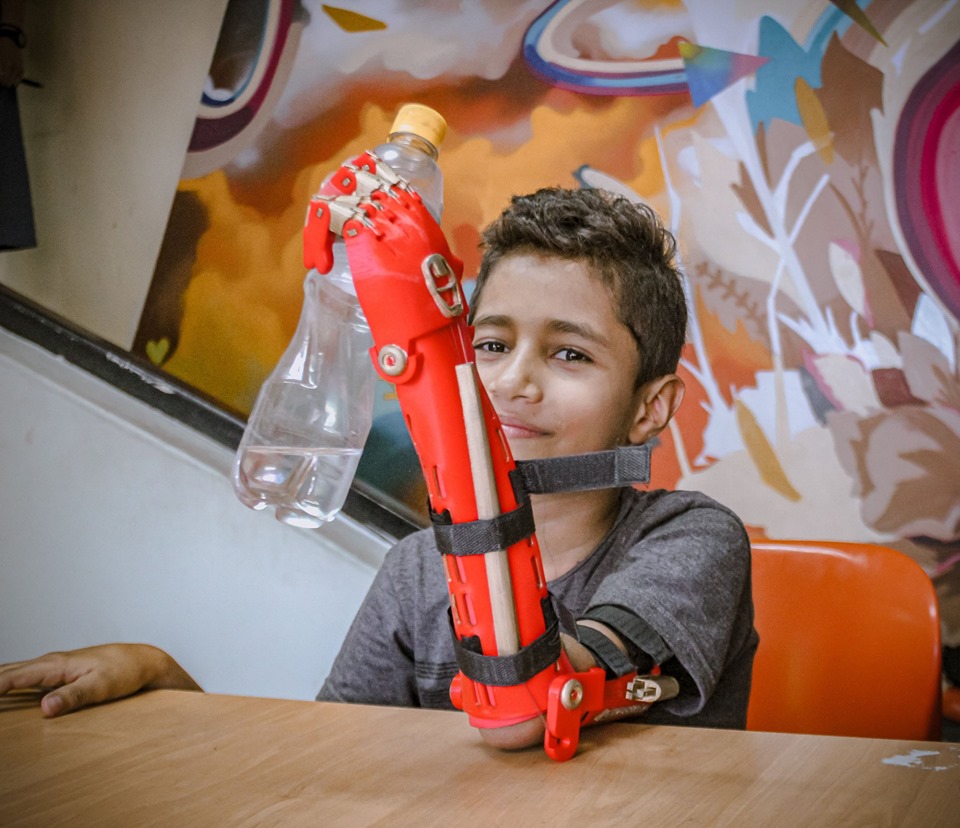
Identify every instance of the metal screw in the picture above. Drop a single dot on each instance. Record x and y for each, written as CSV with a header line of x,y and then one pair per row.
x,y
392,360
572,694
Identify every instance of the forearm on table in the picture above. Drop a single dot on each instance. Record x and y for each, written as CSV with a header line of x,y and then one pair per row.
x,y
530,732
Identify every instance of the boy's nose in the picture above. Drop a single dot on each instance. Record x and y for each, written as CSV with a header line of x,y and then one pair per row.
x,y
515,377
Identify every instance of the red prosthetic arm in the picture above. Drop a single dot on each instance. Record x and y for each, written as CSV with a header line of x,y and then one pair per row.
x,y
408,284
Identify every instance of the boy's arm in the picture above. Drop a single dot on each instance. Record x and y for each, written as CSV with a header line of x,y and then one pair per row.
x,y
95,674
681,596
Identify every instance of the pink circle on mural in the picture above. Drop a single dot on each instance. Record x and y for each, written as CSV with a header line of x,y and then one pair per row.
x,y
947,175
927,177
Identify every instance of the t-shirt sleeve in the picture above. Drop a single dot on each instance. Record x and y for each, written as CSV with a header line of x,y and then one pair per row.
x,y
375,664
687,580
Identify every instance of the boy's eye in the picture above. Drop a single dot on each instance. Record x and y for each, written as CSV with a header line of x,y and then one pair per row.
x,y
490,346
571,355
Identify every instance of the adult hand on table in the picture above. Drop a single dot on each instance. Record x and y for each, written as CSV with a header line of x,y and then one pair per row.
x,y
78,678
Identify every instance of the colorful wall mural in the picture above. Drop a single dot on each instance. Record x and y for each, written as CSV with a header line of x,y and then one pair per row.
x,y
804,154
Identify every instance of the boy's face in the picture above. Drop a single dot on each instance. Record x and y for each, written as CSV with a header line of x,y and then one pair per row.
x,y
559,367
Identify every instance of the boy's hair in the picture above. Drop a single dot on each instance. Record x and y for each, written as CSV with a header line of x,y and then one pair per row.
x,y
625,245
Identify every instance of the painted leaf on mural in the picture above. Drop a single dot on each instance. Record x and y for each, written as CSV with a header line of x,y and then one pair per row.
x,y
763,454
847,275
930,324
814,120
859,16
762,152
850,90
351,21
751,201
844,381
905,467
887,355
928,372
892,387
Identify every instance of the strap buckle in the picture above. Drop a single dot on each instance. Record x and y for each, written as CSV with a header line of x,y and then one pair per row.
x,y
443,285
648,689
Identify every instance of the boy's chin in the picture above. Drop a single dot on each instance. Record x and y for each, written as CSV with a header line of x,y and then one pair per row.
x,y
521,446
529,450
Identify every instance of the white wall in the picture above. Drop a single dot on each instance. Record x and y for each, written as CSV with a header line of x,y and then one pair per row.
x,y
118,523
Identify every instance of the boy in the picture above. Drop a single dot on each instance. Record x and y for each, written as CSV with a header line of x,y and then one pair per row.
x,y
579,319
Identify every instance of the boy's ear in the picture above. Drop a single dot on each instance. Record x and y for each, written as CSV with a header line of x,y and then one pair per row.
x,y
658,401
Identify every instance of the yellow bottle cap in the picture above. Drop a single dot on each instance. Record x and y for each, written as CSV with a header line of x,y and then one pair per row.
x,y
420,120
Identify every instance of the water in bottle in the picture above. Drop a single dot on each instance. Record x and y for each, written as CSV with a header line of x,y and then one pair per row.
x,y
306,431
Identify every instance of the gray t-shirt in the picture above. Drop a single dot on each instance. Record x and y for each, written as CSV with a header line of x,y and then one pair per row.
x,y
679,561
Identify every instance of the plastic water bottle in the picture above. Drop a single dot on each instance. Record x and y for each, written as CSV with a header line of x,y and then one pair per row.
x,y
303,440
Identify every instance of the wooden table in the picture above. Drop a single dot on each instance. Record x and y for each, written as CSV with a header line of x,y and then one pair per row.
x,y
186,759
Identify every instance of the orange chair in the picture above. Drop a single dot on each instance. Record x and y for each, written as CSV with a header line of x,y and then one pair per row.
x,y
849,642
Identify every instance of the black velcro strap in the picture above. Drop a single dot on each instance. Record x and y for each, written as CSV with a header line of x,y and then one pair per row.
x,y
611,469
477,537
608,655
642,641
511,670
568,621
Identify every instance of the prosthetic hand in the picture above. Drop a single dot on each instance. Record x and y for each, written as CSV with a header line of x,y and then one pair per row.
x,y
506,628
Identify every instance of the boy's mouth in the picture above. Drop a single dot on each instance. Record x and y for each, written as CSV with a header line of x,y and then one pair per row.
x,y
515,429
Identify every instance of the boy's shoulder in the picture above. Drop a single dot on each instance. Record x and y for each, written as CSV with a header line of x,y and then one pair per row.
x,y
413,555
688,513
664,504
414,546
